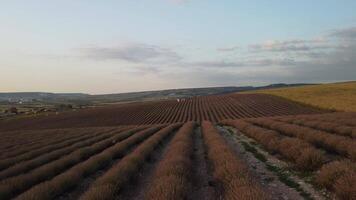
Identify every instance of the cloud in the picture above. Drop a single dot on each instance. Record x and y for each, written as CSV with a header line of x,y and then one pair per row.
x,y
347,33
246,63
135,53
178,2
331,57
219,64
290,46
227,49
328,58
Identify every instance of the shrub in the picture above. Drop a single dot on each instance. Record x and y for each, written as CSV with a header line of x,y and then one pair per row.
x,y
345,186
310,159
330,172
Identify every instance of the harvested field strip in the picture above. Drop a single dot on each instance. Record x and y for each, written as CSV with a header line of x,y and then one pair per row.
x,y
18,184
72,177
110,184
301,153
5,163
171,177
45,145
23,167
340,177
232,179
330,142
331,127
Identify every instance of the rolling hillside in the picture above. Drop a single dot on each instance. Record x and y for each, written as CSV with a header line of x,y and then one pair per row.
x,y
213,108
334,96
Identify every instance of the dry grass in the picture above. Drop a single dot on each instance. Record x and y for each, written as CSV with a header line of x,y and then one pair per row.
x,y
231,174
339,176
335,96
112,182
332,171
345,186
171,177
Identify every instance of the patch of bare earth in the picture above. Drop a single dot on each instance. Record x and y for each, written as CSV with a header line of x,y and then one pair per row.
x,y
201,176
266,169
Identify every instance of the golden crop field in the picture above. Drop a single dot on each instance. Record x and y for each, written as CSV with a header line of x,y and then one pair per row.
x,y
334,96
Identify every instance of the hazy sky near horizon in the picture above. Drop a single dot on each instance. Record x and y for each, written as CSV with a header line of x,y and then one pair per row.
x,y
134,45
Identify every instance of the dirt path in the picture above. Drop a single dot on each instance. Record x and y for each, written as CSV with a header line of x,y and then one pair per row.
x,y
269,171
135,190
201,177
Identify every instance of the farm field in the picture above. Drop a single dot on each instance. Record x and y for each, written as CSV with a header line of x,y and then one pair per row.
x,y
249,146
334,96
211,108
178,100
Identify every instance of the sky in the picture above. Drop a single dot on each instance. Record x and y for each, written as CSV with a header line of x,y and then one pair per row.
x,y
115,46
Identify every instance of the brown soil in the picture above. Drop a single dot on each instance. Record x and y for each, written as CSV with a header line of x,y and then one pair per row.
x,y
201,176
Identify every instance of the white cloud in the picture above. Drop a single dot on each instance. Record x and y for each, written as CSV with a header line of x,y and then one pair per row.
x,y
179,2
323,59
227,49
246,63
135,53
346,33
290,45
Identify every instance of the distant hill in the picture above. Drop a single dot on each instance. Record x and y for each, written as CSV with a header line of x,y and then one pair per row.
x,y
132,96
40,96
334,96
